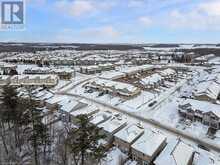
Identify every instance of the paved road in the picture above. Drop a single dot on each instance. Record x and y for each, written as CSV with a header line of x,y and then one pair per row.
x,y
153,123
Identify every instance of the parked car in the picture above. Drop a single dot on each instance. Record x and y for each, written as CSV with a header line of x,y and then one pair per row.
x,y
152,103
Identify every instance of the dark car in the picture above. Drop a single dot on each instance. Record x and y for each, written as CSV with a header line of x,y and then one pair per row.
x,y
152,103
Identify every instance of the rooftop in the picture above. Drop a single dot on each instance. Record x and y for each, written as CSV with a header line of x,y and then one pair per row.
x,y
129,133
175,153
149,142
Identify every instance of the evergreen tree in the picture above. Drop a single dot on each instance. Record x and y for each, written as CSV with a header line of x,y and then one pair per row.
x,y
9,104
83,142
39,137
12,114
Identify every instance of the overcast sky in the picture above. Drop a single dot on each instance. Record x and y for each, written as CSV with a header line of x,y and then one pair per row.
x,y
120,21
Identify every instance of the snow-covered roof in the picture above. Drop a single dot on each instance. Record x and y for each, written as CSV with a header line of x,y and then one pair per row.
x,y
91,67
85,111
209,88
205,158
4,77
175,153
150,80
111,75
114,157
149,142
129,133
112,85
167,72
70,104
202,106
7,65
55,99
34,76
137,69
44,95
113,124
101,117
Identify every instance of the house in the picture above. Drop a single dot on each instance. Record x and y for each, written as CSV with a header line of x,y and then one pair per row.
x,y
67,105
204,59
202,111
112,126
4,80
52,103
203,157
100,117
43,95
34,80
176,152
137,69
112,75
127,136
63,73
89,110
106,67
115,88
37,70
207,91
6,68
168,74
148,146
90,69
153,81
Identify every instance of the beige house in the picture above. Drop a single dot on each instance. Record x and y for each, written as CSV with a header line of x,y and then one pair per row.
x,y
34,80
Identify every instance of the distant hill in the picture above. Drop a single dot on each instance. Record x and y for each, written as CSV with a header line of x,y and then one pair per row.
x,y
31,47
164,46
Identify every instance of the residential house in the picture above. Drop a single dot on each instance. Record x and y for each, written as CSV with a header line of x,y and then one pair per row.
x,y
100,117
127,136
176,152
112,126
4,80
202,111
115,88
90,69
148,146
153,81
34,80
207,91
168,74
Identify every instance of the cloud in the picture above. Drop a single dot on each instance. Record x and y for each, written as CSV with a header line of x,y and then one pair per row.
x,y
82,8
75,8
210,8
204,16
145,21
